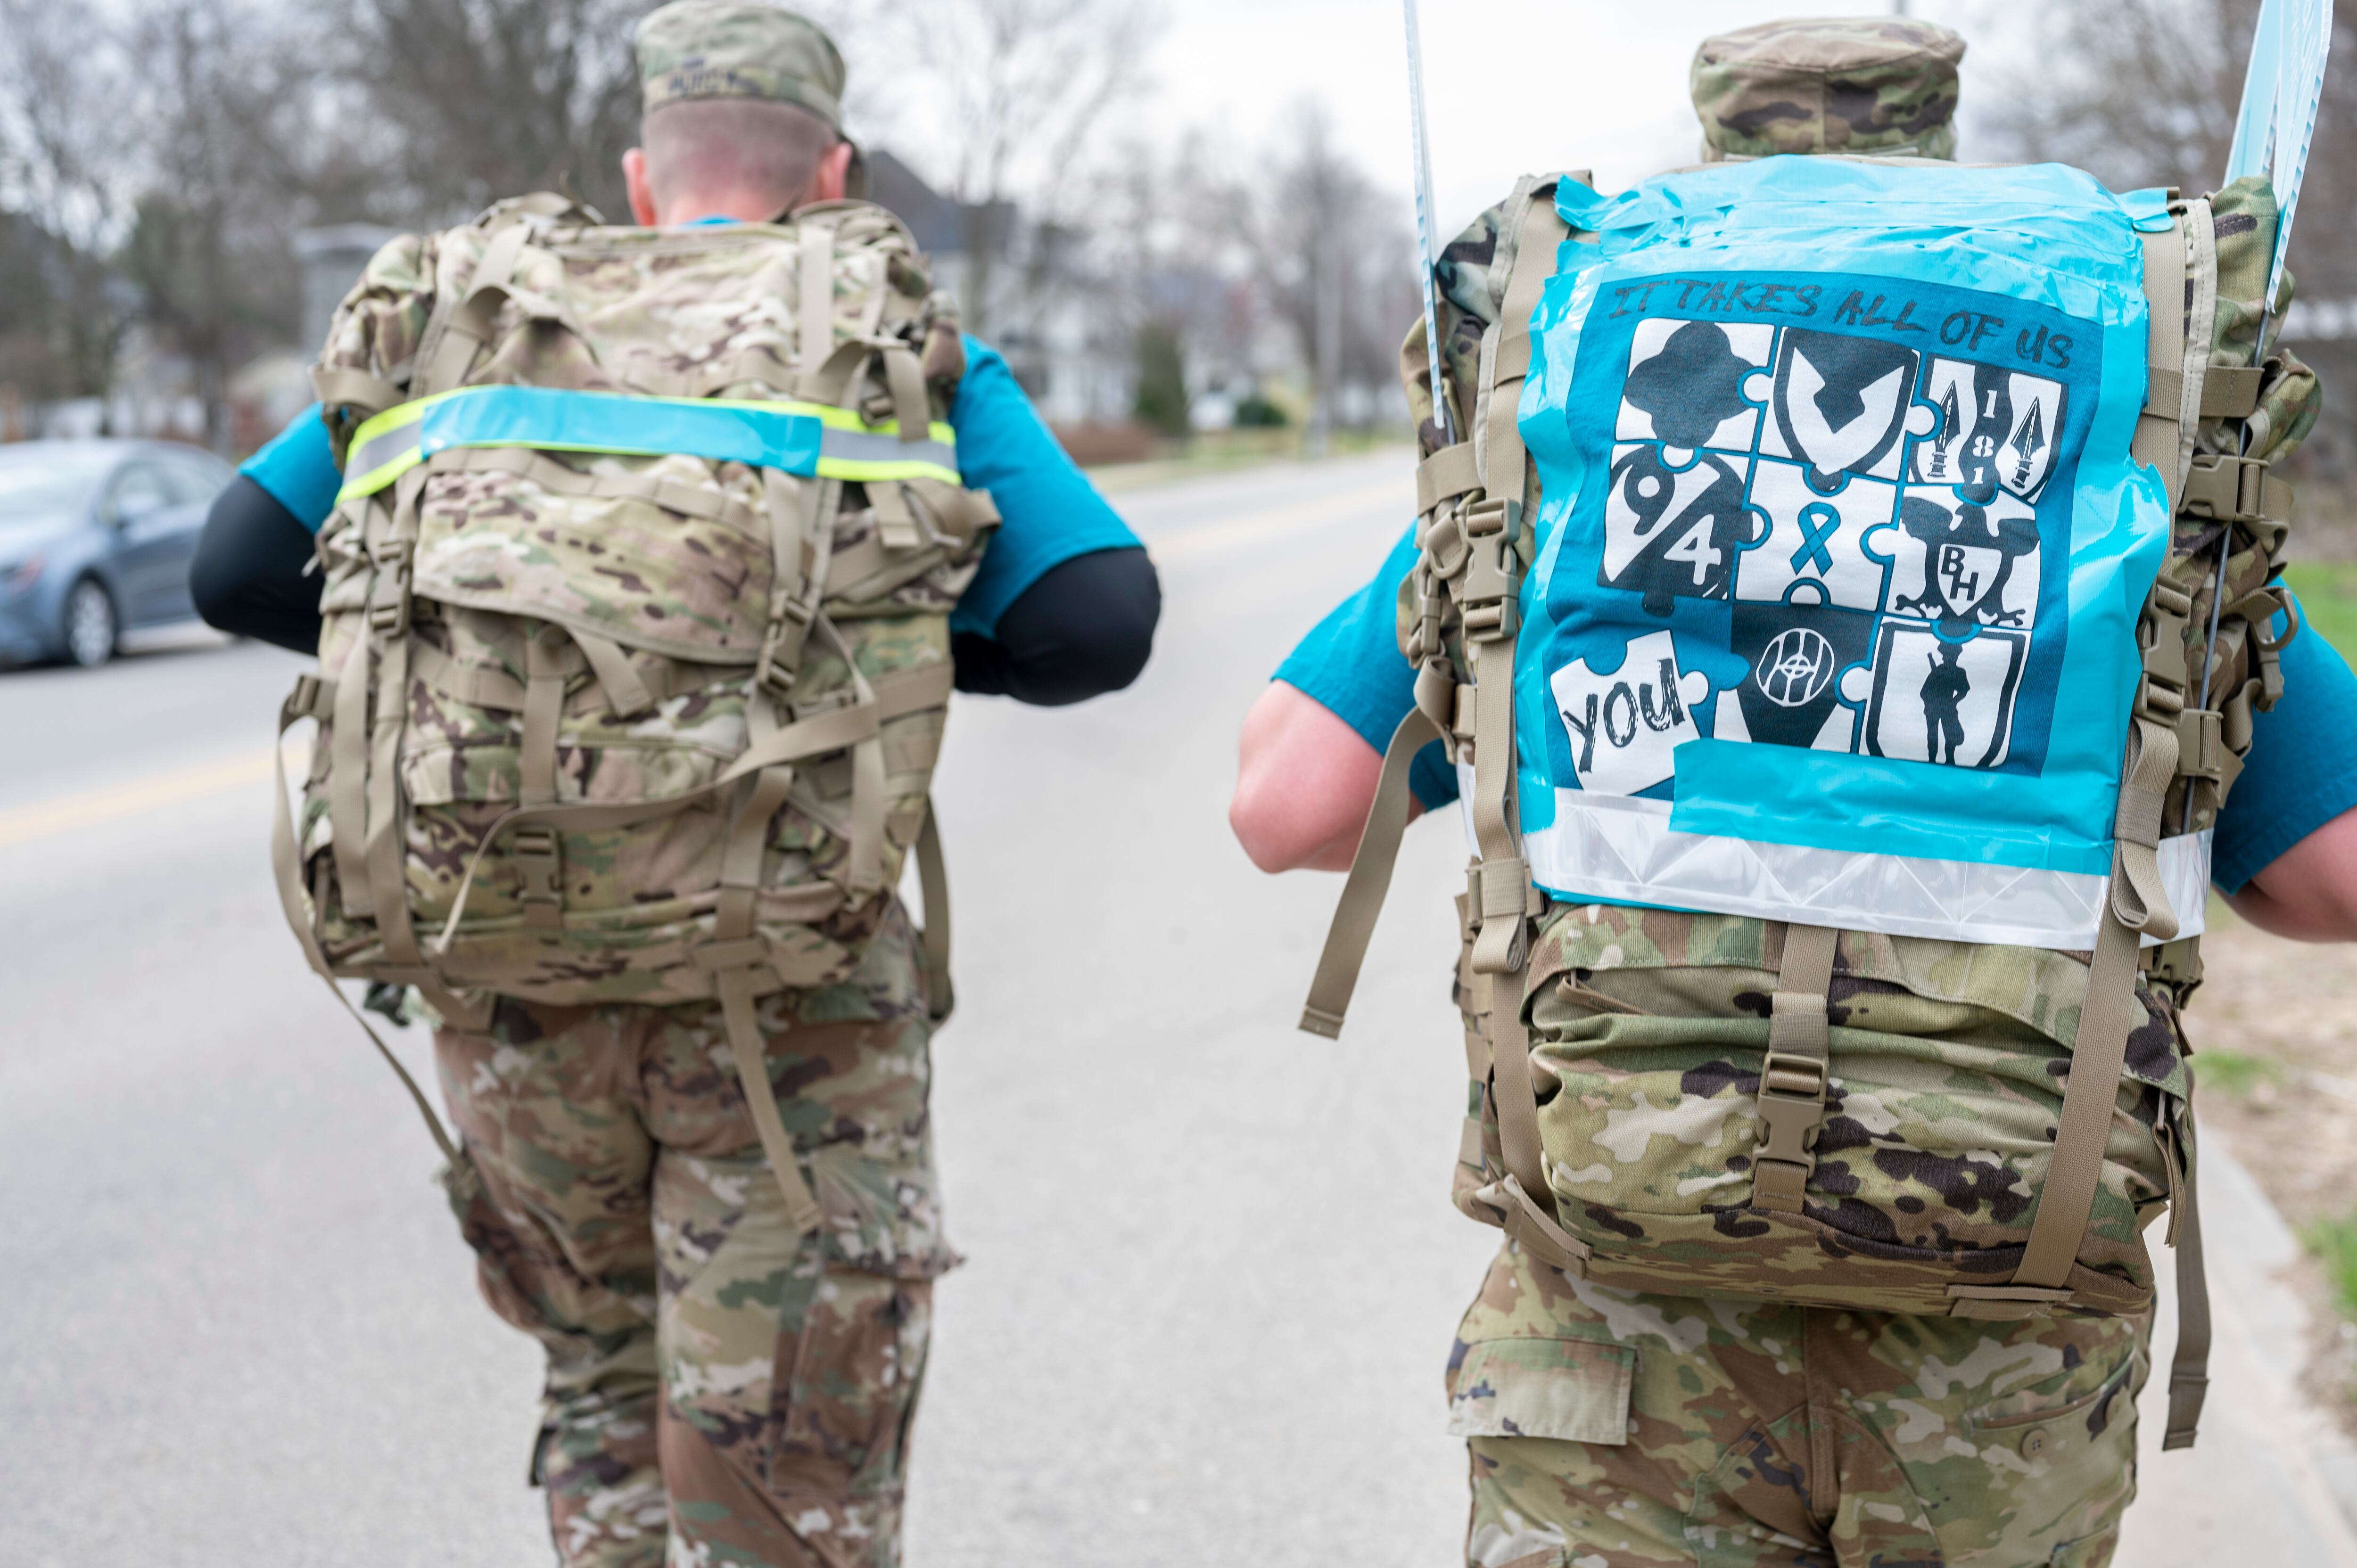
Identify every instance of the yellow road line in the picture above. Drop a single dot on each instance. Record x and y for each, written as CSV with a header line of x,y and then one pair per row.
x,y
93,806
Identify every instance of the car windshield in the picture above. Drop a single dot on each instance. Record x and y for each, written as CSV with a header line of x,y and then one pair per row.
x,y
38,482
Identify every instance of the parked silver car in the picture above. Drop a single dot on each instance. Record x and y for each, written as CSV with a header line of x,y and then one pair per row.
x,y
95,539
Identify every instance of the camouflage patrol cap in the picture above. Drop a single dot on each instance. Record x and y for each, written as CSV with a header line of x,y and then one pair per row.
x,y
739,48
1837,84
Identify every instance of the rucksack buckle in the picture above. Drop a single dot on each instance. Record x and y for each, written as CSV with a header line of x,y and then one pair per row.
x,y
1491,591
781,652
388,609
1493,515
1791,1103
2226,487
540,868
2160,699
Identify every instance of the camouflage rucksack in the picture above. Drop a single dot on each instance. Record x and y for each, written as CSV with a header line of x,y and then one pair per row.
x,y
636,651
1887,1018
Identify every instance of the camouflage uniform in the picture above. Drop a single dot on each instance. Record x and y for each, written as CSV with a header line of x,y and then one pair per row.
x,y
1610,1427
1613,1428
722,1387
713,1376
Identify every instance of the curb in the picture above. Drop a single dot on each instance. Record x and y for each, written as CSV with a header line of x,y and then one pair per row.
x,y
2273,1475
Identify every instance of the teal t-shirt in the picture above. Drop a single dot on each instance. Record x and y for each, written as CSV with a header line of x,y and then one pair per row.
x,y
1048,511
2302,771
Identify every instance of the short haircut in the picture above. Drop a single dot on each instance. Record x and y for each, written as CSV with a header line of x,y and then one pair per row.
x,y
752,146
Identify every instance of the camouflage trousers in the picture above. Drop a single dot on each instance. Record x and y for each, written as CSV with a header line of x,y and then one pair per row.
x,y
1611,1429
721,1389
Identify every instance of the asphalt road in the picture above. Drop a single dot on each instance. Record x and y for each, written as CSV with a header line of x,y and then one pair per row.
x,y
1213,1273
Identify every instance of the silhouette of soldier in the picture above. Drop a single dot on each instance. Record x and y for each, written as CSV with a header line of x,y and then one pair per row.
x,y
1945,690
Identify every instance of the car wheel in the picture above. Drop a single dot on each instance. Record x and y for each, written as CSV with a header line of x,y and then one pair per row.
x,y
90,623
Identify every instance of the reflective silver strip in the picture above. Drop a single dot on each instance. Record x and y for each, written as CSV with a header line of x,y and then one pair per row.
x,y
1618,847
864,446
376,452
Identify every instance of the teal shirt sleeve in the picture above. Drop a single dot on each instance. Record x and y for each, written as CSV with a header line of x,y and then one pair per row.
x,y
1048,512
298,468
1351,665
2302,770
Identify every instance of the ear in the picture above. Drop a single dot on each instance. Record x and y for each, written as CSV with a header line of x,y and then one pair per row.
x,y
834,171
642,192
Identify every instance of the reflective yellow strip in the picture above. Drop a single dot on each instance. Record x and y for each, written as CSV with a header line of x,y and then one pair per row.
x,y
384,448
869,454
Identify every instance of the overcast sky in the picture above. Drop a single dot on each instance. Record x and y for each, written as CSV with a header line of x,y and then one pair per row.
x,y
1510,85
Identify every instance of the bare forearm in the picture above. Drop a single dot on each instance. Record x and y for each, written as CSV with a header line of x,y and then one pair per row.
x,y
1303,782
2310,892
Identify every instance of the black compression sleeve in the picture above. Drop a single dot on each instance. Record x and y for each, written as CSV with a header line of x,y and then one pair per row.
x,y
1084,629
248,576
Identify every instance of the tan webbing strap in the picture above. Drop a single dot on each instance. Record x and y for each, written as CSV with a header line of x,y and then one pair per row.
x,y
896,527
933,882
837,374
1371,879
1446,475
388,851
348,741
800,553
285,864
2195,332
539,851
868,803
366,395
834,730
466,327
869,808
2189,1372
736,991
1531,1219
1793,1074
546,673
1490,593
815,326
914,689
626,693
2223,393
2098,1054
911,410
2157,440
741,857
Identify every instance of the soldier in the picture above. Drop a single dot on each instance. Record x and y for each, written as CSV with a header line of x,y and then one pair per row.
x,y
1614,1427
723,1386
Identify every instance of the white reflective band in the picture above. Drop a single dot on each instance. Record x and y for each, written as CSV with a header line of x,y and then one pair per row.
x,y
1621,849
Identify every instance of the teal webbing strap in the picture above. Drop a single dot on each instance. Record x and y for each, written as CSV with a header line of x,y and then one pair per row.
x,y
802,438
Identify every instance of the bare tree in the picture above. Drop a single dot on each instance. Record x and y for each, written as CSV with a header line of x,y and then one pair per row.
x,y
65,149
208,241
1332,257
1022,86
2145,92
484,99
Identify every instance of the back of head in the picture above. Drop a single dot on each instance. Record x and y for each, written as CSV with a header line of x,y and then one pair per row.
x,y
742,97
1881,85
752,146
